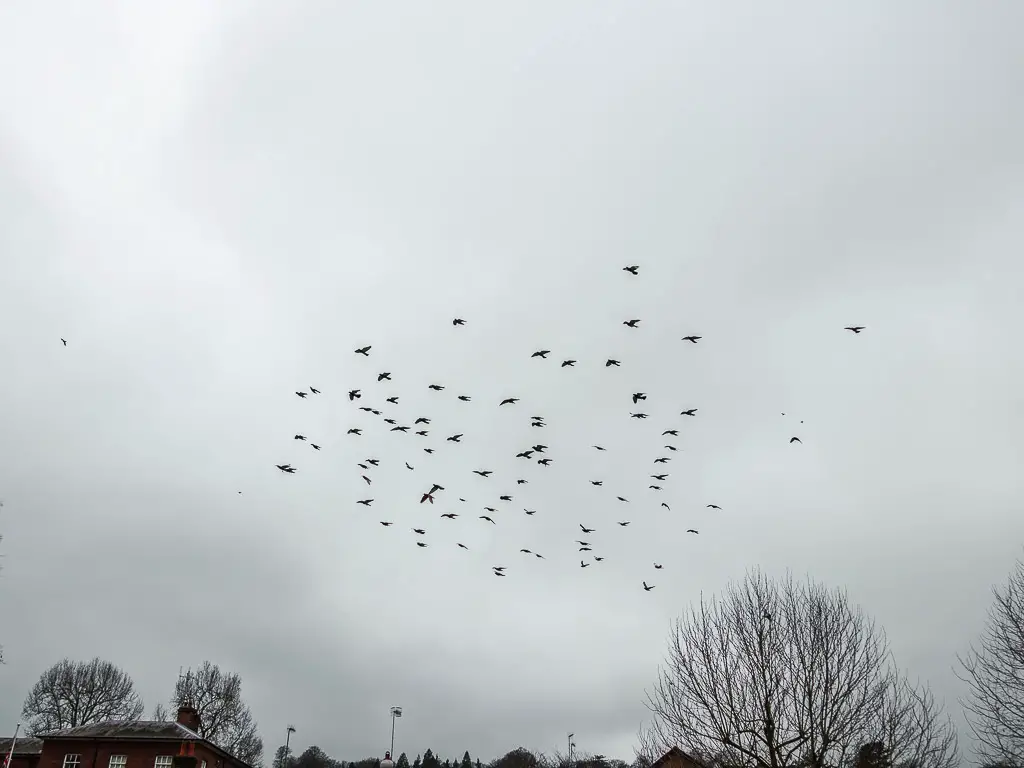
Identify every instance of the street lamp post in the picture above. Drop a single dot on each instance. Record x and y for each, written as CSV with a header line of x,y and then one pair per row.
x,y
395,712
571,745
287,746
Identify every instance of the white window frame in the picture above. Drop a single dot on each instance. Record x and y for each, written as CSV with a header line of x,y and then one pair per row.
x,y
163,761
118,761
72,760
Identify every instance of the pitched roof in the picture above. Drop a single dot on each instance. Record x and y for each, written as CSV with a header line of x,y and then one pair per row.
x,y
126,729
25,745
678,754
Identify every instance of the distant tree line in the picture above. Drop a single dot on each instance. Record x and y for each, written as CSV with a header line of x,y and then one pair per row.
x,y
315,757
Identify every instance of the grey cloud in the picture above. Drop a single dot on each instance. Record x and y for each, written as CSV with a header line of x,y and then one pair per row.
x,y
339,177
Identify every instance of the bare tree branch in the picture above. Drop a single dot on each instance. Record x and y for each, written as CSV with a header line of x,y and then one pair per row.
x,y
224,718
994,672
777,674
73,693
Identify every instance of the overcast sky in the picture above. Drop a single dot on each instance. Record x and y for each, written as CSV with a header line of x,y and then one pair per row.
x,y
214,204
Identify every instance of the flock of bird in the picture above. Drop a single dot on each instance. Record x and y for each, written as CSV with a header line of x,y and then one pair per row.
x,y
384,406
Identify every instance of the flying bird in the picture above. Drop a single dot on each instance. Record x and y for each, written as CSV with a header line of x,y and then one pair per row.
x,y
420,531
393,400
611,361
854,328
65,343
638,415
421,543
661,460
530,511
543,462
300,437
598,447
364,350
399,429
673,432
583,565
795,440
598,559
464,398
648,588
509,401
691,530
539,447
385,524
713,506
632,269
314,390
458,321
655,487
375,462
624,523
301,394
499,573
637,396
524,454
522,482
620,498
428,450
585,529
689,412
659,478
541,353
427,496
454,438
422,420
286,468
568,363
365,502
657,567
671,447
407,466
485,517
463,546
450,515
422,432
505,498
435,387
497,567
631,323
383,376
315,446
666,506
597,482
526,551
483,472
692,339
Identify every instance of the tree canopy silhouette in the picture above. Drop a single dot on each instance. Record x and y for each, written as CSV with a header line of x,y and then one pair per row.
x,y
776,674
73,693
994,673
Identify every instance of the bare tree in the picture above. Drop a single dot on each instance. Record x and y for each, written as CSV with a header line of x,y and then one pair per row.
x,y
72,693
994,672
224,718
778,674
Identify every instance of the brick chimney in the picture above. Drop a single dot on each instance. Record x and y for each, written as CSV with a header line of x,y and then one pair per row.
x,y
189,717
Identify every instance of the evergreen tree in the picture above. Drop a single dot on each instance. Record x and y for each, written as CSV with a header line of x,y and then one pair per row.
x,y
417,763
403,761
466,762
447,763
430,760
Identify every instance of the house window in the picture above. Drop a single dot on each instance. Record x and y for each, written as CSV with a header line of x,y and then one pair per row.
x,y
163,761
118,761
72,761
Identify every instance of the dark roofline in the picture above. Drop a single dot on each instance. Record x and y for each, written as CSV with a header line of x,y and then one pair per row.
x,y
187,735
25,745
676,752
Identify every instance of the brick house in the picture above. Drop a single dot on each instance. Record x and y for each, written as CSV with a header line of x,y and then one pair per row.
x,y
133,744
26,752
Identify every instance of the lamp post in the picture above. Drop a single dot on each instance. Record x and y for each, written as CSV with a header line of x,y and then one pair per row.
x,y
287,746
395,712
10,755
571,745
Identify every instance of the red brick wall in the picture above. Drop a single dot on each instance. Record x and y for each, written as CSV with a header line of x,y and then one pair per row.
x,y
21,761
139,754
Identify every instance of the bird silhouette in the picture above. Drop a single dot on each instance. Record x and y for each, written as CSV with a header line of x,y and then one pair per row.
x,y
458,321
435,487
583,565
624,523
509,401
454,438
315,446
464,398
666,506
463,546
522,482
689,412
314,390
375,462
422,432
407,466
490,509
497,567
427,497
713,506
692,339
384,376
288,468
526,551
673,432
301,394
365,502
421,543
611,361
657,566
364,350
543,462
542,353
637,396
585,529
648,588
524,454
419,531
428,450
300,437
631,269
671,447
598,447
530,511
654,487
399,429
661,460
489,520
597,482
65,343
691,530
483,472
659,478
631,323
854,328
620,498
450,515
505,498
499,573
568,363
422,420
393,400
385,524
539,447
638,415
435,387
598,559
795,440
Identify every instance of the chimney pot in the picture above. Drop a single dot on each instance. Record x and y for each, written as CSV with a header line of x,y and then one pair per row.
x,y
189,717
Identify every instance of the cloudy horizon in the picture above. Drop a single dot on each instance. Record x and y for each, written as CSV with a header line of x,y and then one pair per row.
x,y
215,205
